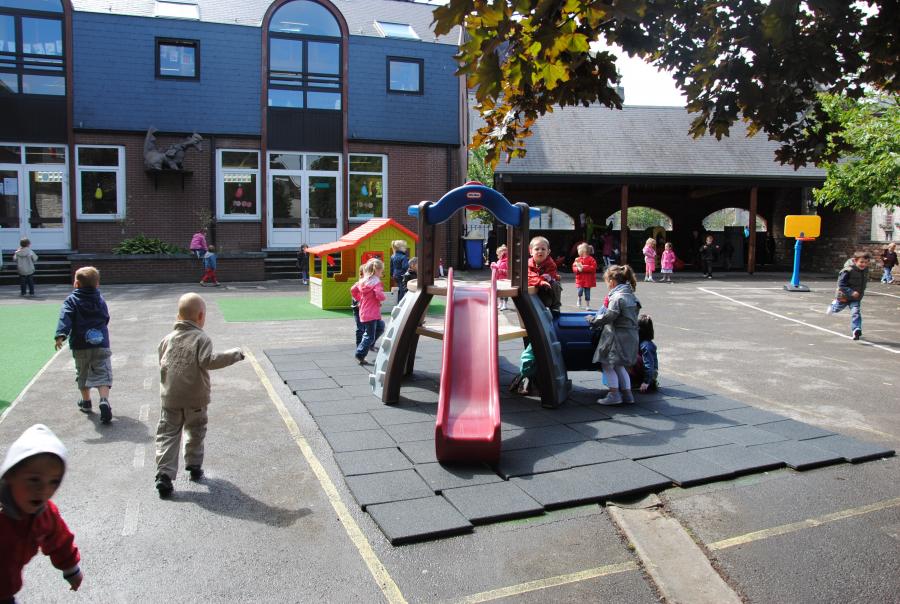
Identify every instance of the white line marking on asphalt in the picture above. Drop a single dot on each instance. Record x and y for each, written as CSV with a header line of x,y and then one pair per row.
x,y
774,314
132,513
139,456
148,381
144,414
384,580
28,385
881,294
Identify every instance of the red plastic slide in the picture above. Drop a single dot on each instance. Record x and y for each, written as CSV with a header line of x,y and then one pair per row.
x,y
468,419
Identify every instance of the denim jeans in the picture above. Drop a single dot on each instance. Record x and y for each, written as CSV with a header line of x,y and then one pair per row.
x,y
359,325
27,280
855,312
372,330
586,292
887,277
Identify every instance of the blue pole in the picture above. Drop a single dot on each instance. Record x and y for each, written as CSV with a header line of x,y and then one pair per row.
x,y
795,279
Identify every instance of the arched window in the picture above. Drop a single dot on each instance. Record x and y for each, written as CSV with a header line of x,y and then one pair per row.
x,y
717,221
304,57
32,51
641,218
551,219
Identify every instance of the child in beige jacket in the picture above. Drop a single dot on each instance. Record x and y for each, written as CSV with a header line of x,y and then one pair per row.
x,y
185,358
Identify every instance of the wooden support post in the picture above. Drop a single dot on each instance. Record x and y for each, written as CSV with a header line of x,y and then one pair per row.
x,y
751,245
623,234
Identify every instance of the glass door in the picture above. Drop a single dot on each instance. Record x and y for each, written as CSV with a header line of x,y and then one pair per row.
x,y
33,197
46,210
10,207
321,208
303,197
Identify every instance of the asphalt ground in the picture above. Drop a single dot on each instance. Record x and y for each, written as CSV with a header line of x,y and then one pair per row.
x,y
273,521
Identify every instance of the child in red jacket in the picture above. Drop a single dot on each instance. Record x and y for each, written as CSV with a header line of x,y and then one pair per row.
x,y
585,268
542,274
31,473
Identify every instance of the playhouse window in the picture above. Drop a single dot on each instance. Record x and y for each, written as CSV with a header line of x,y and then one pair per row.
x,y
368,187
332,264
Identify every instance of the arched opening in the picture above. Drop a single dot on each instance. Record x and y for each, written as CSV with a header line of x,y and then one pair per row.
x,y
732,217
641,218
729,228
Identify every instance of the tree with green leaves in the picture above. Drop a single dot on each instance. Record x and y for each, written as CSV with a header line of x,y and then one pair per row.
x,y
869,175
763,61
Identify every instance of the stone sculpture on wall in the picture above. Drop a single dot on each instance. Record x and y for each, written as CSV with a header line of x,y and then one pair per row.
x,y
171,158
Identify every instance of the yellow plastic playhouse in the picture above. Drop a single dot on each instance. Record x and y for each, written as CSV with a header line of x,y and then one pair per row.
x,y
334,267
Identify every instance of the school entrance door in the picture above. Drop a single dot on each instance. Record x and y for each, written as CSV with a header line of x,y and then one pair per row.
x,y
303,199
33,197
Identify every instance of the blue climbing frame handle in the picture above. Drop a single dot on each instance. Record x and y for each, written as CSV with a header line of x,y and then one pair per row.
x,y
473,195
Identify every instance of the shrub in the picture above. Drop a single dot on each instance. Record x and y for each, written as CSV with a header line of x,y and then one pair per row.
x,y
147,245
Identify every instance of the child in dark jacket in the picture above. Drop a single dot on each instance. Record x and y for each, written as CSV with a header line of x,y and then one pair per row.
x,y
303,264
399,266
851,288
411,274
646,370
888,259
32,471
83,320
210,261
708,253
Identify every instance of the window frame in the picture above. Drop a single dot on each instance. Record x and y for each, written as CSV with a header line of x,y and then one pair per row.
x,y
384,185
305,79
220,187
413,60
21,64
195,44
121,173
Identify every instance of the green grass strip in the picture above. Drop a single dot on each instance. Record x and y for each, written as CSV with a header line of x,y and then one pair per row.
x,y
26,344
291,308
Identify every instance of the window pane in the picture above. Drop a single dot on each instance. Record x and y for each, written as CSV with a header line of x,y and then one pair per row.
x,y
240,159
10,154
46,200
324,57
303,17
366,196
286,202
177,61
9,199
182,9
285,98
397,30
322,202
47,6
323,100
38,84
325,163
45,155
240,193
98,193
286,161
9,82
7,34
42,36
405,76
98,156
285,55
365,163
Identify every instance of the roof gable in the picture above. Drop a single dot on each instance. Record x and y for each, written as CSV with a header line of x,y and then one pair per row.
x,y
357,235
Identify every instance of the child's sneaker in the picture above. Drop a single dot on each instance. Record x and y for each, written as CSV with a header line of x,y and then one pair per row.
x,y
611,398
362,360
830,309
196,472
857,334
627,396
84,406
578,304
164,485
105,411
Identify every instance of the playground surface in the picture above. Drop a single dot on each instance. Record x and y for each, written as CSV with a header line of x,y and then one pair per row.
x,y
276,521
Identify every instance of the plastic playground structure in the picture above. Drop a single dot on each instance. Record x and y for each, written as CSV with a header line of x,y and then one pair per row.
x,y
468,419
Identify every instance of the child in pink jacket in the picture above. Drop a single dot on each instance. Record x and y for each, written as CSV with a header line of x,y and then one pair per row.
x,y
502,266
369,294
668,263
649,252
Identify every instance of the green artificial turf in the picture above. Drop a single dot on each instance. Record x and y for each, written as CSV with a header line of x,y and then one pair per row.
x,y
26,344
290,308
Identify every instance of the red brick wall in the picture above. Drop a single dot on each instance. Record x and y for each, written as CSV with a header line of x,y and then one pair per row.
x,y
174,269
843,233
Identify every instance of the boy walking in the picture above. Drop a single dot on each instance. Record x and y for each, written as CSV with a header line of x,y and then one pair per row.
x,y
851,288
84,320
25,259
185,358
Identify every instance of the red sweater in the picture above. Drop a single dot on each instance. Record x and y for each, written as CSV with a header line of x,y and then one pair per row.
x,y
20,540
535,273
587,276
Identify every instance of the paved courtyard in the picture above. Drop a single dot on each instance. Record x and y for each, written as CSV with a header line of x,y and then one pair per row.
x,y
279,516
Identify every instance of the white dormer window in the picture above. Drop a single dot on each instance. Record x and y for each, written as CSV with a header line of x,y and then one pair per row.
x,y
177,9
396,30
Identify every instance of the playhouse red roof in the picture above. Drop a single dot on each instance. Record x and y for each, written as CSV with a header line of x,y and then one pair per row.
x,y
354,237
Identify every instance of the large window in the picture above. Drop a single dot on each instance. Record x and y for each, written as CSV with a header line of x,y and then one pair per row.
x,y
101,182
304,57
32,56
368,187
405,76
177,59
237,184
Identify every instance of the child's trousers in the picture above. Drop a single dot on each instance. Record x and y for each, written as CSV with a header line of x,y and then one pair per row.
x,y
168,438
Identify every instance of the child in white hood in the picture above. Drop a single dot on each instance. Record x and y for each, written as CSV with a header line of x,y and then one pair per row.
x,y
31,473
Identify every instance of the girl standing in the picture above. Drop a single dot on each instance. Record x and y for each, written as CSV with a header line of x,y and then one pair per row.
x,y
585,268
668,263
649,259
618,347
369,294
889,259
502,266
